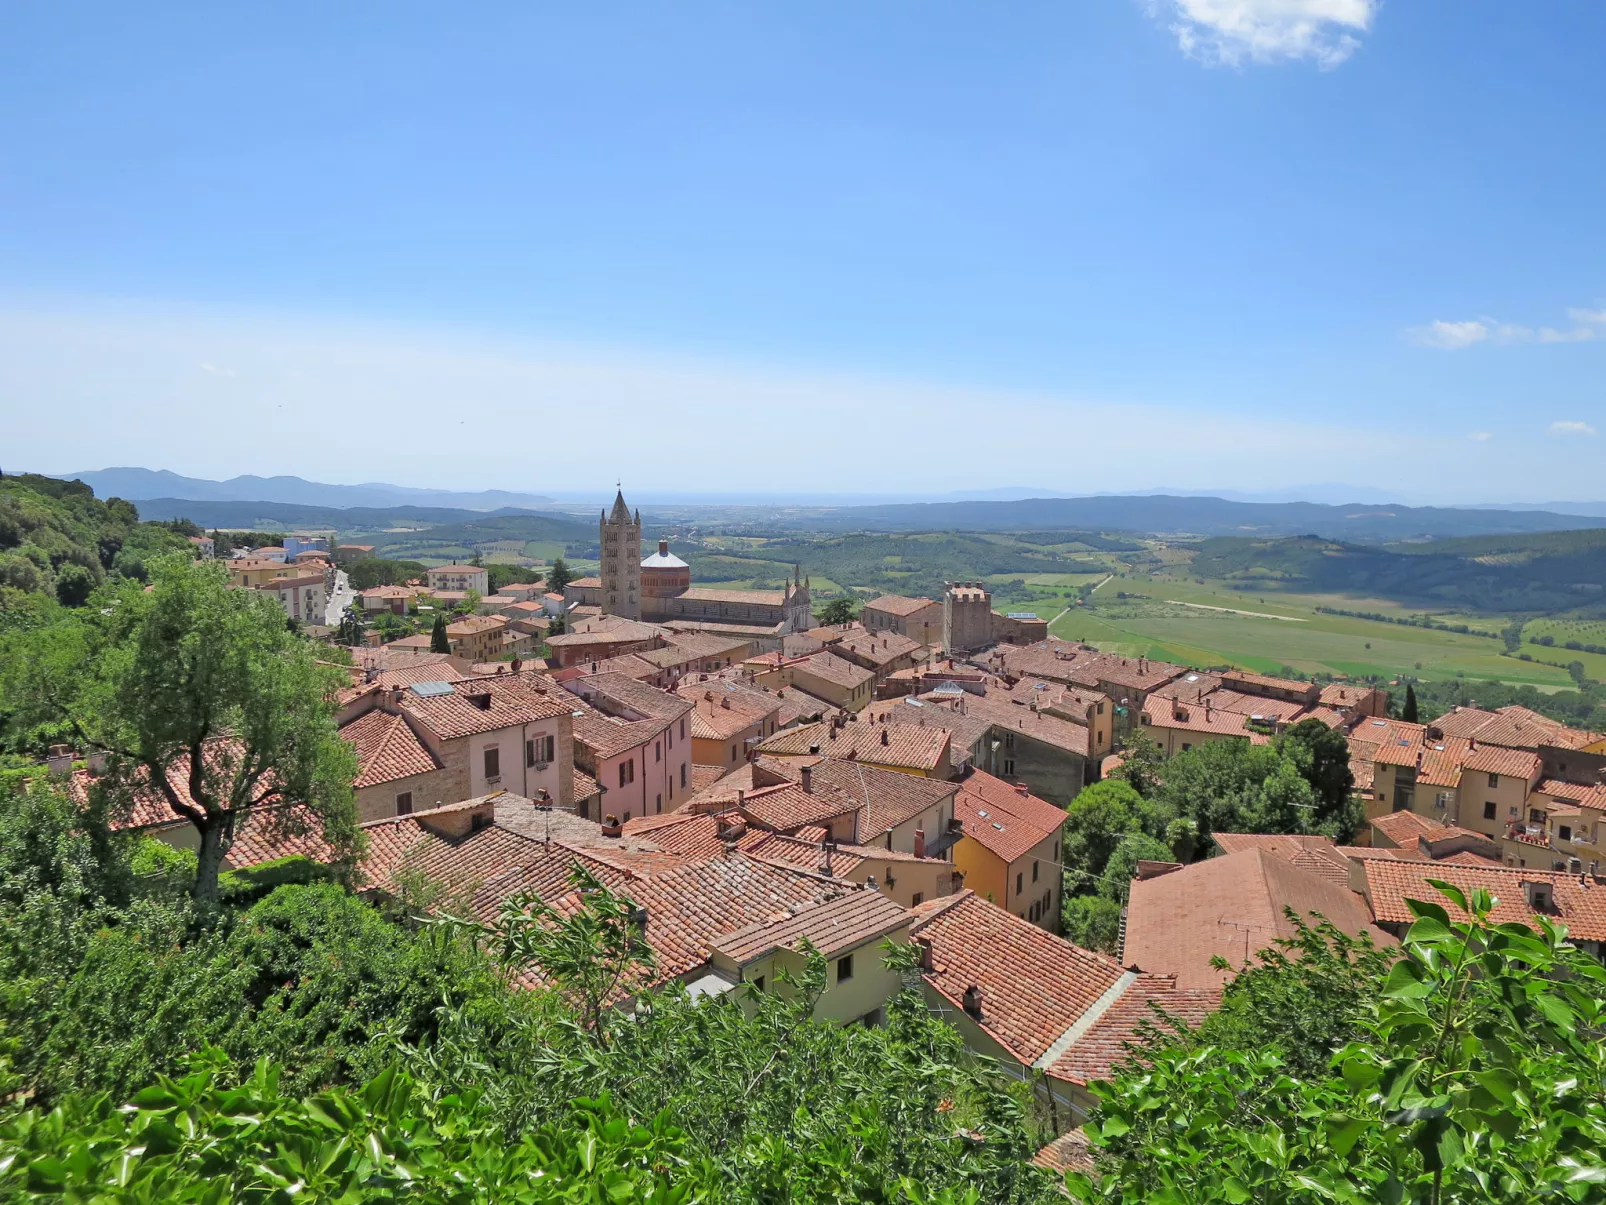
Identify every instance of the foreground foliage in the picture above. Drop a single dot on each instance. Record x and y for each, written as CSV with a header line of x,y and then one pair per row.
x,y
198,1139
1479,1076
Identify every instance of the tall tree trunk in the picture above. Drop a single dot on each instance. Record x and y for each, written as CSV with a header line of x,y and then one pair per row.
x,y
209,861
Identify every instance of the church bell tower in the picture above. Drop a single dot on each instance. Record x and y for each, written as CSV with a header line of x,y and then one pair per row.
x,y
621,560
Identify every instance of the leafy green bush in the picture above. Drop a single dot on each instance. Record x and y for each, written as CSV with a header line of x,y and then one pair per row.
x,y
1478,1075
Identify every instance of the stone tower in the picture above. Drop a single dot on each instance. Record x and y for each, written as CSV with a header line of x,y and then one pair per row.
x,y
967,618
621,560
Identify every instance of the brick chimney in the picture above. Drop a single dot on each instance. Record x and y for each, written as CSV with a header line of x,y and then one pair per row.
x,y
926,961
1020,789
611,826
920,842
808,780
972,1002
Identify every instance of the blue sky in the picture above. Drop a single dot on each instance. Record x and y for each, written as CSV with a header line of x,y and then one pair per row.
x,y
1099,245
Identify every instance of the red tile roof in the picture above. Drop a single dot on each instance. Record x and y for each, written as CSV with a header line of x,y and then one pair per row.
x,y
1580,901
387,749
1034,985
1114,1037
1494,760
1231,906
833,928
897,604
511,700
904,745
1004,819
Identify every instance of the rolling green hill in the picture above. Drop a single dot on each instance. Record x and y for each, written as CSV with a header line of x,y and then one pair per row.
x,y
1556,571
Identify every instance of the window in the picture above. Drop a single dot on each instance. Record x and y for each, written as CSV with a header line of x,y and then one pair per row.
x,y
1565,832
844,968
537,751
1494,780
658,751
1186,746
659,807
1031,913
682,729
1034,871
1009,767
404,803
669,733
1020,883
918,899
1488,810
682,773
758,984
627,772
1535,816
493,762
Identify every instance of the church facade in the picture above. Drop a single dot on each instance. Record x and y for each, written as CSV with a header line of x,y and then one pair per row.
x,y
658,589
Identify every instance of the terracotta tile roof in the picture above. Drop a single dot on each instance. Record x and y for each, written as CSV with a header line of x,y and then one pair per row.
x,y
630,665
833,928
1001,818
1513,727
510,699
764,598
1491,759
1069,1152
594,583
703,777
964,731
1406,828
1581,906
878,648
885,798
828,667
470,625
1034,986
1342,695
1235,678
1192,717
1314,854
387,749
788,808
608,737
1593,795
688,909
897,604
1231,906
718,715
1281,710
882,744
615,693
1134,673
1001,712
585,786
1112,1038
1441,763
435,668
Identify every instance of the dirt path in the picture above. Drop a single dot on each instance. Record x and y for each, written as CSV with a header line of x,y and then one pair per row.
x,y
1234,611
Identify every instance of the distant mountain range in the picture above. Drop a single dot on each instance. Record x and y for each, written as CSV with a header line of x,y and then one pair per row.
x,y
1164,514
137,485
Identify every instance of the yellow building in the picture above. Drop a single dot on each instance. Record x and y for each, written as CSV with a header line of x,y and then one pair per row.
x,y
1011,850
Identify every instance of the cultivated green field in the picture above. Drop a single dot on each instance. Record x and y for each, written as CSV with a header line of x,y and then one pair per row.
x,y
1183,621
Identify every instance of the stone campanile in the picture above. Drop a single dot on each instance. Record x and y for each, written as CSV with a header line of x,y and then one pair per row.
x,y
621,560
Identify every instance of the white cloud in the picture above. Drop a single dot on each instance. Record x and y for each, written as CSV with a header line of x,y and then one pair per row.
x,y
1454,336
1232,32
1571,428
1481,436
1451,336
441,407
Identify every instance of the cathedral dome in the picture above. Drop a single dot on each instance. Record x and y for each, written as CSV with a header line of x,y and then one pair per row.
x,y
664,559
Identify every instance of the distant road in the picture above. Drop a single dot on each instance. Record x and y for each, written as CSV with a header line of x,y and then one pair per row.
x,y
1235,611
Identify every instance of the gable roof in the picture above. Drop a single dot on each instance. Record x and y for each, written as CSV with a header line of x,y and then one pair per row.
x,y
387,749
1231,906
833,928
510,700
884,744
1580,901
897,604
1004,819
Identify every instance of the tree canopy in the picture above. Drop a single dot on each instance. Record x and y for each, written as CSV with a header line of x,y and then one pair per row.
x,y
198,695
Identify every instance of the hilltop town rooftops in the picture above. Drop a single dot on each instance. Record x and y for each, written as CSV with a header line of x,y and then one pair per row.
x,y
924,749
474,705
471,624
832,928
839,671
1577,901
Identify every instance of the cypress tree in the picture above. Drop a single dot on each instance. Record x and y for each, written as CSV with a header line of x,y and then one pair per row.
x,y
1410,712
437,636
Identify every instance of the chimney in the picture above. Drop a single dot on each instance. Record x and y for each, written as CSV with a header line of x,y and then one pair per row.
x,y
1472,744
611,826
663,547
920,842
517,664
741,798
808,780
825,856
926,961
883,736
972,1002
1020,789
